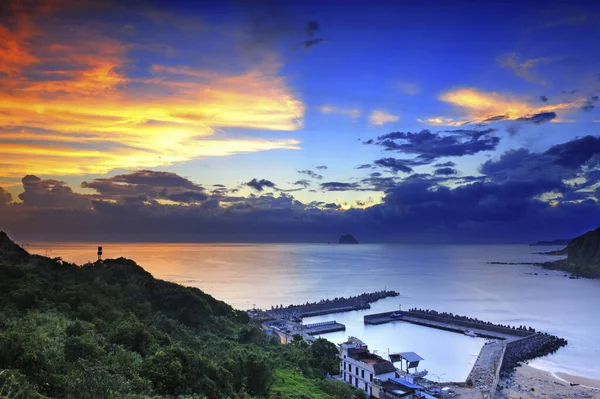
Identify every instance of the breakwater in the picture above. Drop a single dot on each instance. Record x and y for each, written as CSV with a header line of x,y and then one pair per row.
x,y
451,322
327,306
471,322
528,348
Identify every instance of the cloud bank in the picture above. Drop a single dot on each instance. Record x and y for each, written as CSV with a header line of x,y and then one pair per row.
x,y
520,196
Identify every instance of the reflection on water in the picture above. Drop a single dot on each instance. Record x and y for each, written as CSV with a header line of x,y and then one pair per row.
x,y
453,278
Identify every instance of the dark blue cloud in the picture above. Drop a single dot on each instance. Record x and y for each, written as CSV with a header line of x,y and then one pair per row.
x,y
188,197
394,165
312,42
377,183
321,167
496,118
148,185
448,164
303,182
151,178
259,185
311,174
543,98
588,106
445,172
576,153
365,166
339,186
537,119
428,146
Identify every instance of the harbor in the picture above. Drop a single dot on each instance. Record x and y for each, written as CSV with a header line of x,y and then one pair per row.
x,y
505,347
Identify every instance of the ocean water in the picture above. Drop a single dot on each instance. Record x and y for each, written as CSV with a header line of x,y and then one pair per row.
x,y
451,278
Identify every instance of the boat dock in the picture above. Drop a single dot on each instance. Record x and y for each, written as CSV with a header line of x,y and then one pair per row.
x,y
323,328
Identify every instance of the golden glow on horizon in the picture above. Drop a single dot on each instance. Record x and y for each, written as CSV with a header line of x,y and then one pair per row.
x,y
69,107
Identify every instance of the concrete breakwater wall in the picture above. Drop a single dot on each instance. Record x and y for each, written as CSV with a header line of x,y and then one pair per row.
x,y
327,306
537,345
469,323
449,323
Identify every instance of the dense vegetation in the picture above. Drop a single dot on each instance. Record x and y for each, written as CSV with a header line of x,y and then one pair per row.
x,y
110,330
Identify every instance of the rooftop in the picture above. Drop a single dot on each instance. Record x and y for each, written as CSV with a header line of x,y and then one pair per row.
x,y
358,350
410,356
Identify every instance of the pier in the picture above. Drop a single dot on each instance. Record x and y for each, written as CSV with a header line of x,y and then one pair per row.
x,y
323,328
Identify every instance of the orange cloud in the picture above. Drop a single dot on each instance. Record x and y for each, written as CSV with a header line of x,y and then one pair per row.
x,y
477,106
380,117
69,106
441,121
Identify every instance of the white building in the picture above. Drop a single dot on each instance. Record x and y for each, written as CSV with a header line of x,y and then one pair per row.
x,y
359,367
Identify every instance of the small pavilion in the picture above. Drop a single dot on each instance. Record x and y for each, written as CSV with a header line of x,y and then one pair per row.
x,y
408,361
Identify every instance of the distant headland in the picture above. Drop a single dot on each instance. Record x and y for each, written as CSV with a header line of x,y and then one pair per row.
x,y
347,239
583,256
562,241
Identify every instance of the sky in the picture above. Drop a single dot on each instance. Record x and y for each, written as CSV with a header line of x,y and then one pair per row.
x,y
396,121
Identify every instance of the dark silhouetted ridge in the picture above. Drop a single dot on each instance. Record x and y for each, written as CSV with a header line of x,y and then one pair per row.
x,y
348,239
9,251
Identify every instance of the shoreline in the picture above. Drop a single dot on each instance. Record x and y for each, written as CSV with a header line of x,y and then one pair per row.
x,y
528,382
574,379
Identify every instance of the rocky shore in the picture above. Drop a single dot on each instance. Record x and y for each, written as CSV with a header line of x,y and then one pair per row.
x,y
538,345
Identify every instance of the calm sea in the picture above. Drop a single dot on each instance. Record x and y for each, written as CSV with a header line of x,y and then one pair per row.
x,y
450,278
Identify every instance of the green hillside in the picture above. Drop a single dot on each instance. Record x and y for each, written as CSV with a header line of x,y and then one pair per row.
x,y
110,330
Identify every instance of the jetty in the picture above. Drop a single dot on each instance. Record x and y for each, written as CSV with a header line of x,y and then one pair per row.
x,y
323,327
328,306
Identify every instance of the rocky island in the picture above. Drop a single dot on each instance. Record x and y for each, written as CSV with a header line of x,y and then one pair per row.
x,y
348,239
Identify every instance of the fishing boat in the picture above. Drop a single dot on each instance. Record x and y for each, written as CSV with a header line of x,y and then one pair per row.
x,y
470,333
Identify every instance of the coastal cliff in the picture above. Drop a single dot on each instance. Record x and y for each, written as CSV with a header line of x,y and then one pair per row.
x,y
348,239
583,256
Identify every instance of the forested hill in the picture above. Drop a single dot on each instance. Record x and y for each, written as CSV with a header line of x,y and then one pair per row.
x,y
111,330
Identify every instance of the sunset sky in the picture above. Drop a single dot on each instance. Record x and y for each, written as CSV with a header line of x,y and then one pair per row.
x,y
419,121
